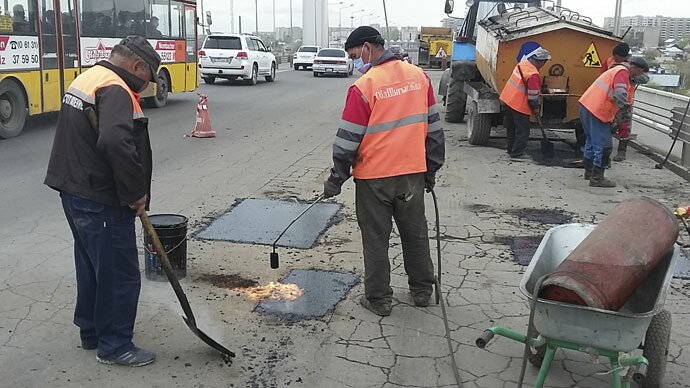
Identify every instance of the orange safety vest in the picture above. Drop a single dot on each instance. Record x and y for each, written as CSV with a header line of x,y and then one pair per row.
x,y
88,83
394,141
514,94
598,99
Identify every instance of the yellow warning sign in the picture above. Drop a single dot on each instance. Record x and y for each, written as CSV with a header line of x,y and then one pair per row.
x,y
591,58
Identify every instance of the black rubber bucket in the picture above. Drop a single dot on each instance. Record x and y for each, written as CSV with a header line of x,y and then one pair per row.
x,y
172,231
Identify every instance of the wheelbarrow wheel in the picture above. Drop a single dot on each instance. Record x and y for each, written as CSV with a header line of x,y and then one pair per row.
x,y
656,343
536,359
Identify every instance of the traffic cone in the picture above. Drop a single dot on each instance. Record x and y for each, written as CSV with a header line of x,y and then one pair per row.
x,y
202,128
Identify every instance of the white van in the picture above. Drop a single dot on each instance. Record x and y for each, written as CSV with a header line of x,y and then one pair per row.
x,y
304,57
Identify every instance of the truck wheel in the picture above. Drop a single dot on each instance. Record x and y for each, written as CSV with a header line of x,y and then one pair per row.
x,y
162,90
456,101
478,125
13,110
656,343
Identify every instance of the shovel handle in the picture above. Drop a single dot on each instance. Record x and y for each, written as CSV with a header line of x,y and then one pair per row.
x,y
163,256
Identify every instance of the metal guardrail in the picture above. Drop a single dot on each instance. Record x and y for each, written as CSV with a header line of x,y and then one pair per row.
x,y
280,59
662,112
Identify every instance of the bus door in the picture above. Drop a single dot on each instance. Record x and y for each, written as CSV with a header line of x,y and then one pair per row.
x,y
190,37
50,73
69,46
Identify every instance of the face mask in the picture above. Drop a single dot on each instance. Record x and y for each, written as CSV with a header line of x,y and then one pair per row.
x,y
641,79
364,68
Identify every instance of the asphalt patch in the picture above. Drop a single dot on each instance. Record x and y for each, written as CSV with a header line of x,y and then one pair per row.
x,y
323,290
522,247
556,216
562,152
260,221
682,270
228,281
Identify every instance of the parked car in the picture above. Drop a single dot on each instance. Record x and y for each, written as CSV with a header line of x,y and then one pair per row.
x,y
235,56
398,51
304,57
333,61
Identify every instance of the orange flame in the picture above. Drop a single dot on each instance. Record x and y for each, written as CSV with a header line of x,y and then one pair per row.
x,y
273,291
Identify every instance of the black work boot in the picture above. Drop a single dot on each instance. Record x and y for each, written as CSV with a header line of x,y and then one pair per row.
x,y
588,168
598,180
622,148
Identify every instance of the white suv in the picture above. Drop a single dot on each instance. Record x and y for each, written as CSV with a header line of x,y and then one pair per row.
x,y
235,56
305,56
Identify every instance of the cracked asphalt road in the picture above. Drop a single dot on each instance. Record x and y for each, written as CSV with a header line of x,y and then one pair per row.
x,y
274,141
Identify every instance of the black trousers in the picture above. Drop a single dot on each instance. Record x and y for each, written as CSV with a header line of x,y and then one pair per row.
x,y
378,202
517,125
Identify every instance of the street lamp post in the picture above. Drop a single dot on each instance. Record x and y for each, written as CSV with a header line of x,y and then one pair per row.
x,y
361,18
340,22
256,10
352,17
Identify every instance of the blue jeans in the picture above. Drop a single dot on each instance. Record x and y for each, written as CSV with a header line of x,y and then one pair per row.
x,y
598,137
107,269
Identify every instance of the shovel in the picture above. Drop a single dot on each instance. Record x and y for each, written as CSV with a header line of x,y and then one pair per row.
x,y
188,318
546,145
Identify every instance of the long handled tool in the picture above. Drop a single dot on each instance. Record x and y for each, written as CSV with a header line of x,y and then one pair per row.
x,y
546,145
439,297
275,259
188,316
661,165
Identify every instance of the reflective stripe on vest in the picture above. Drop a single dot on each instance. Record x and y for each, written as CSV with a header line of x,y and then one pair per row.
x,y
394,138
89,82
598,99
515,93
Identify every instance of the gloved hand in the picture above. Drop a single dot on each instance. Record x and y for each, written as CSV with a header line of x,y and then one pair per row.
x,y
330,189
429,180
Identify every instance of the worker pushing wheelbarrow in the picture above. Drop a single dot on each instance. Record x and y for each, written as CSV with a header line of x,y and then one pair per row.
x,y
601,291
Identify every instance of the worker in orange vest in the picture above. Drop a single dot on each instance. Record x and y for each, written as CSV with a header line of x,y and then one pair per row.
x,y
390,139
521,95
621,54
604,102
623,128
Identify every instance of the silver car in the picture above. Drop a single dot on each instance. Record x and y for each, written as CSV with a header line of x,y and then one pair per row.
x,y
332,61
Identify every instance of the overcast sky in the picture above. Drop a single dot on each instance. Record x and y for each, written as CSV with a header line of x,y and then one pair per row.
x,y
409,12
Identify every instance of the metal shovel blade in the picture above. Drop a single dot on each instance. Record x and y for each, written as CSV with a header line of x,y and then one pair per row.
x,y
184,303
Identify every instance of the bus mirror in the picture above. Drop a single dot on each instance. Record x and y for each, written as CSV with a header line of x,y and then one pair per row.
x,y
449,6
209,21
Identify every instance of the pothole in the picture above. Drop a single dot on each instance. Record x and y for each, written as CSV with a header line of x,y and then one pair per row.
x,y
554,216
321,292
260,221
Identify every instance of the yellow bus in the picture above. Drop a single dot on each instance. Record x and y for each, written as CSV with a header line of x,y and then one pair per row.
x,y
45,44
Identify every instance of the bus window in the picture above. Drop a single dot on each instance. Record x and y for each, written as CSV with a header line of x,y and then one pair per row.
x,y
97,18
159,24
177,19
130,18
18,17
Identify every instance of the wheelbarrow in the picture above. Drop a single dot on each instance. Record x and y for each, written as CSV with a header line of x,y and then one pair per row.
x,y
640,324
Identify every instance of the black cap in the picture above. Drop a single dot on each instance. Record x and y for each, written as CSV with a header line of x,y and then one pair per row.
x,y
640,62
622,50
363,34
140,46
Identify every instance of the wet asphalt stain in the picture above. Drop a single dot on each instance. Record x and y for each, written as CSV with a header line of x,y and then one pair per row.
x,y
562,152
323,290
260,221
231,281
555,216
479,208
522,247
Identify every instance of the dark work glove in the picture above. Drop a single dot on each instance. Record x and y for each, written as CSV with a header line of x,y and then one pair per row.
x,y
429,180
330,189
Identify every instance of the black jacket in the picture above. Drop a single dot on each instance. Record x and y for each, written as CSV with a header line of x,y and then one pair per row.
x,y
106,157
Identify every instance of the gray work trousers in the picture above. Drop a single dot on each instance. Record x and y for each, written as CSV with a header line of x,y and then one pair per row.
x,y
378,201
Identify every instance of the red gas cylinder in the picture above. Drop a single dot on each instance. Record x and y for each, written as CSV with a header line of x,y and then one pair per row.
x,y
604,270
